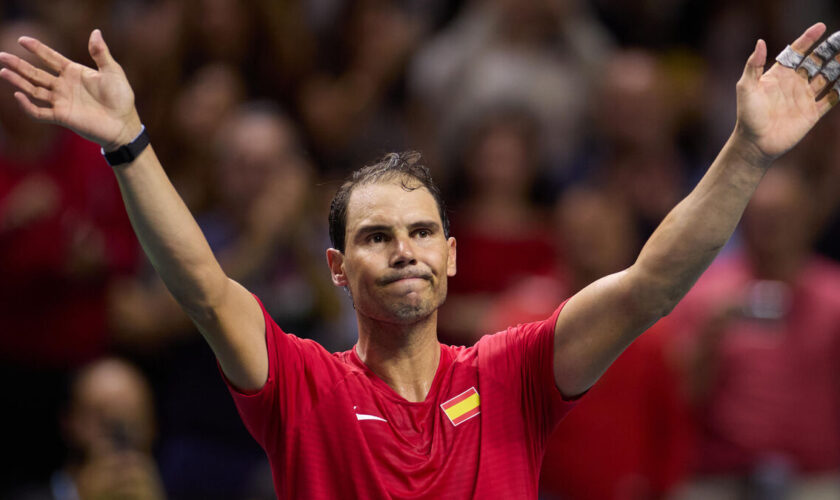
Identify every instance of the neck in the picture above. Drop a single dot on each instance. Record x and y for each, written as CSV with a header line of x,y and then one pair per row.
x,y
406,357
784,267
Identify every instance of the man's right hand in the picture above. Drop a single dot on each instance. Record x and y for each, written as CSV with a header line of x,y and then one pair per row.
x,y
96,104
99,106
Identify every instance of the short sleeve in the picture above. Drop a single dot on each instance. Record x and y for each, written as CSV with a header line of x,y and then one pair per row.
x,y
299,371
522,359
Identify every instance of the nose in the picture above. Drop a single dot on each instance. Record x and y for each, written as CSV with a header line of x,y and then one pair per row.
x,y
403,253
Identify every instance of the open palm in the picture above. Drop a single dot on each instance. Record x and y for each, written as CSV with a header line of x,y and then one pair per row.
x,y
778,107
96,104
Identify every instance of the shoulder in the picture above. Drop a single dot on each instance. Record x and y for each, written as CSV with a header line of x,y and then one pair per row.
x,y
518,347
291,353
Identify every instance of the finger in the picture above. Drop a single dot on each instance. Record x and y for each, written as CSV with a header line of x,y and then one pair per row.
x,y
804,43
99,51
23,84
51,58
754,67
807,40
41,114
828,74
826,53
817,83
829,100
28,71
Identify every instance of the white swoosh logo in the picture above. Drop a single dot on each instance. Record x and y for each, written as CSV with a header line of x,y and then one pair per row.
x,y
362,416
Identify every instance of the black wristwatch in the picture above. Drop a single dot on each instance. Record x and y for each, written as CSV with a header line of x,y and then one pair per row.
x,y
129,152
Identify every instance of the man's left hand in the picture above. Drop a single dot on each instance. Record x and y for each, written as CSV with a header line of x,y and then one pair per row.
x,y
777,107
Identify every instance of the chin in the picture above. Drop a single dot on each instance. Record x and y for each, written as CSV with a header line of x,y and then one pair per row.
x,y
410,313
406,312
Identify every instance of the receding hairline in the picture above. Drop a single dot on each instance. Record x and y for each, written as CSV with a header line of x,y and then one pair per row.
x,y
406,182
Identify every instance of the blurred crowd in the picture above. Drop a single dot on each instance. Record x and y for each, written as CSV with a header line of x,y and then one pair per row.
x,y
560,131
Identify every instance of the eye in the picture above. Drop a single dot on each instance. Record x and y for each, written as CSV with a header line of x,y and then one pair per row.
x,y
377,238
423,233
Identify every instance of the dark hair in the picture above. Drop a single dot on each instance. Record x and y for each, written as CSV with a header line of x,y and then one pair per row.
x,y
405,166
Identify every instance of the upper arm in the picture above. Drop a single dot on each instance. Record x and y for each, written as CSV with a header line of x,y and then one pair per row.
x,y
597,324
235,329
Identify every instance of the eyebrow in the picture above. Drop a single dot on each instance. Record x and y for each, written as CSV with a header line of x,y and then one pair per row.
x,y
430,224
372,228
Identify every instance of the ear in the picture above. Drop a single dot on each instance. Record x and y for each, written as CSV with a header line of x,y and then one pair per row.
x,y
335,260
451,268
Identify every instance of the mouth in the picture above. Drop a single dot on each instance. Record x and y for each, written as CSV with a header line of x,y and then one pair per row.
x,y
404,278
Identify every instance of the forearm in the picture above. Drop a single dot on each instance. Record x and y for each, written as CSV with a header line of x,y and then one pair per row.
x,y
776,109
170,235
601,320
692,234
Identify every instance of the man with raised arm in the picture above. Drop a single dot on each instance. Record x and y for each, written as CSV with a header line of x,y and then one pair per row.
x,y
401,415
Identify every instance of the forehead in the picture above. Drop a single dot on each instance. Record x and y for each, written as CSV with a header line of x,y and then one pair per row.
x,y
389,203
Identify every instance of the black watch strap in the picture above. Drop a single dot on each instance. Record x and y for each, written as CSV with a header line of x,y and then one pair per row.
x,y
129,152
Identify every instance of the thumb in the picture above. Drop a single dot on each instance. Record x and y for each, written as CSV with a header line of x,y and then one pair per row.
x,y
755,64
99,51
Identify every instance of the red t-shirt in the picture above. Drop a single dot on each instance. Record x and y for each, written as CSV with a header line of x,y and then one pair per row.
x,y
332,429
49,315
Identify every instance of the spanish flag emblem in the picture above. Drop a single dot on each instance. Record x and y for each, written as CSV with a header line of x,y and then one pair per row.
x,y
462,407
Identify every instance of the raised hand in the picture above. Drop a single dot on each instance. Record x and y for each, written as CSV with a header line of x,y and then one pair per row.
x,y
778,107
96,104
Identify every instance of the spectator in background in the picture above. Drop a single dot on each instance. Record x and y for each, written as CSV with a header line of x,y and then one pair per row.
x,y
66,18
636,158
540,54
593,237
203,103
350,106
158,26
654,24
261,227
64,237
109,429
497,221
764,334
820,163
630,438
267,41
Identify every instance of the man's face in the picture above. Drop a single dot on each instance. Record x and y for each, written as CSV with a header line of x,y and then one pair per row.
x,y
396,258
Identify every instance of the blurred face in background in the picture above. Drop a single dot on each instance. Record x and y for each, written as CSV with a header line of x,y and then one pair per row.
x,y
597,234
223,28
257,150
110,410
501,159
777,224
630,108
203,103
